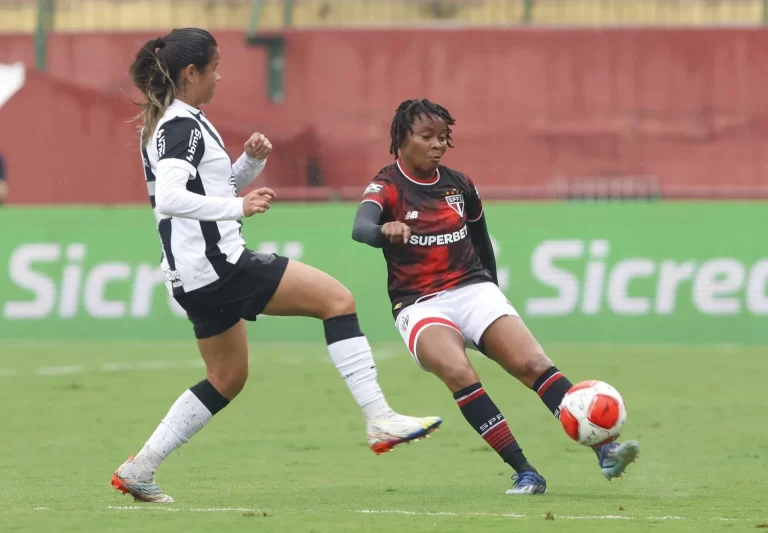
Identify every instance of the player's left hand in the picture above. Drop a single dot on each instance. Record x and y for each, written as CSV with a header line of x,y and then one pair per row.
x,y
258,146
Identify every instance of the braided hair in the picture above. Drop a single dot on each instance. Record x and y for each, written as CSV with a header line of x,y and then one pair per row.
x,y
406,114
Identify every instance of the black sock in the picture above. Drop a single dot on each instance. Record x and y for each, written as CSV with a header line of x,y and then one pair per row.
x,y
209,396
483,415
342,327
551,386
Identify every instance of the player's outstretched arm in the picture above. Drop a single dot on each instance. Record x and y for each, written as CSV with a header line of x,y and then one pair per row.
x,y
173,199
245,170
478,232
252,161
366,228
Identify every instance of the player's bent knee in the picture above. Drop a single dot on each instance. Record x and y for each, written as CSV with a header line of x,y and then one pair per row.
x,y
533,365
228,381
459,377
339,301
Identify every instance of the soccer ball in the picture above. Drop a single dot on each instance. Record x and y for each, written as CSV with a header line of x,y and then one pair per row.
x,y
593,413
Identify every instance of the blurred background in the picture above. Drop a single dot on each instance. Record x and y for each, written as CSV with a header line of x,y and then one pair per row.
x,y
618,146
550,95
633,130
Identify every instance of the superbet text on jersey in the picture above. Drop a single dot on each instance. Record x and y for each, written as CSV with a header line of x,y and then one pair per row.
x,y
439,254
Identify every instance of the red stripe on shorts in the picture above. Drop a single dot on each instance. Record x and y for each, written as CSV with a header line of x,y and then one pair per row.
x,y
421,324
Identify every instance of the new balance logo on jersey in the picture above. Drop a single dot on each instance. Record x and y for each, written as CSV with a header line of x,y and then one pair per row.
x,y
456,202
411,215
194,137
373,188
438,240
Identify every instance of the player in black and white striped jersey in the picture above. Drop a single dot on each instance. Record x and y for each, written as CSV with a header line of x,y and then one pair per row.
x,y
189,152
219,282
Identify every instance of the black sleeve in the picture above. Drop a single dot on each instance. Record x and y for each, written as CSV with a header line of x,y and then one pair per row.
x,y
2,169
478,232
181,138
366,228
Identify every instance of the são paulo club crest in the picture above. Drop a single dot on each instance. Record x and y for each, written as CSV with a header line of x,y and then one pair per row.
x,y
455,201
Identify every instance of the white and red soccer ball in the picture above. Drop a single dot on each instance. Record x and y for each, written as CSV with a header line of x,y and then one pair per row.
x,y
593,413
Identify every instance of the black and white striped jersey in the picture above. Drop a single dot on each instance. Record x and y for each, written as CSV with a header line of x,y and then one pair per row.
x,y
193,188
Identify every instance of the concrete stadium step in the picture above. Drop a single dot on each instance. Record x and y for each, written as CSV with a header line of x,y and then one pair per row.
x,y
140,15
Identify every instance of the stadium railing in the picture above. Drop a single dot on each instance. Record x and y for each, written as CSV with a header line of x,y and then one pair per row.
x,y
133,15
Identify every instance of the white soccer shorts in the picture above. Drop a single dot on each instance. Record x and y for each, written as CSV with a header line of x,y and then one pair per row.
x,y
469,310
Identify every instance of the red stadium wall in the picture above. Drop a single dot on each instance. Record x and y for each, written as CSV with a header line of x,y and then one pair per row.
x,y
686,106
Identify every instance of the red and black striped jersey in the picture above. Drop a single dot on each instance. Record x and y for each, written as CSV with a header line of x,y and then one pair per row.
x,y
439,254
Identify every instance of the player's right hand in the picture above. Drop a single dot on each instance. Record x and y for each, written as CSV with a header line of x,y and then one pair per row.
x,y
396,232
257,201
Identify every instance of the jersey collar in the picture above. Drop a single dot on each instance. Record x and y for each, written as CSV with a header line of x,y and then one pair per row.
x,y
416,180
178,103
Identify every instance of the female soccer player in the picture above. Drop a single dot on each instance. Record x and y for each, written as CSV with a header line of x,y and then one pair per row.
x,y
219,282
429,221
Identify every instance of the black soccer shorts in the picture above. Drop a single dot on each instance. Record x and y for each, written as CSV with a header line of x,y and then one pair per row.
x,y
244,293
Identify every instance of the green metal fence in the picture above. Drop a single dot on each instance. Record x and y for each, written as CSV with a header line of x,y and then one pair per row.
x,y
132,15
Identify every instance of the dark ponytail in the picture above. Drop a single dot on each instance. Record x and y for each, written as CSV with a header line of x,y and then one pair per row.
x,y
156,71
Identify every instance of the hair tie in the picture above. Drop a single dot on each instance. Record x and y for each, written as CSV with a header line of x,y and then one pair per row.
x,y
159,44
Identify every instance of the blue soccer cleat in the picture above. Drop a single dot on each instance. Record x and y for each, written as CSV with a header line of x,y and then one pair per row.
x,y
614,458
528,483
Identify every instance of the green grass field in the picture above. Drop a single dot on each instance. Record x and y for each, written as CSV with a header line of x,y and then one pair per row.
x,y
290,453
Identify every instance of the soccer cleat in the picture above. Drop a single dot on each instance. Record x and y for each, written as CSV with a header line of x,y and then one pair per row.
x,y
386,433
528,483
614,457
130,479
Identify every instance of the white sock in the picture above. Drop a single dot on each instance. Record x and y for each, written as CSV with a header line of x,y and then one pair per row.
x,y
186,417
354,360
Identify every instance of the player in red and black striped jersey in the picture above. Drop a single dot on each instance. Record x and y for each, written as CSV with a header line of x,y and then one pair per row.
x,y
429,222
443,217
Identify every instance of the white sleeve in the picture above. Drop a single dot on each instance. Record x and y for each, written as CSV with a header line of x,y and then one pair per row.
x,y
246,169
173,199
